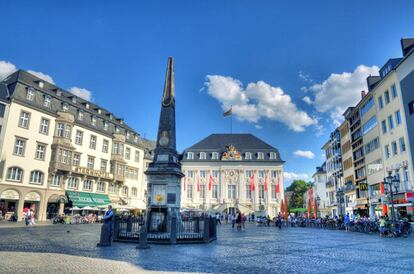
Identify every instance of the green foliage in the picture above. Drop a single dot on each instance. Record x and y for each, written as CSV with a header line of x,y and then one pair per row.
x,y
298,210
298,187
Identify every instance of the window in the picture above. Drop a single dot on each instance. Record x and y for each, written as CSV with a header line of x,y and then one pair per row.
x,y
14,174
231,192
128,135
91,162
214,156
19,147
261,174
93,121
118,149
30,94
92,142
40,152
371,145
248,156
274,173
134,192
105,125
394,148
190,156
190,173
248,191
202,173
127,153
215,191
65,107
398,117
374,166
105,146
104,164
273,156
367,106
411,107
112,188
203,191
273,188
370,124
100,187
73,99
136,156
387,151
24,119
2,109
80,115
249,174
76,159
36,177
64,156
384,126
380,102
260,155
402,144
87,184
47,101
60,129
202,155
216,173
406,174
68,131
387,97
56,180
394,91
124,191
261,192
44,126
79,137
390,122
189,191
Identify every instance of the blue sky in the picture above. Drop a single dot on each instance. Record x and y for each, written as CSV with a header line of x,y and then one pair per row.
x,y
289,69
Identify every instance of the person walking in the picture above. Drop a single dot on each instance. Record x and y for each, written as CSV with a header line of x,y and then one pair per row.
x,y
233,220
382,226
218,218
108,219
243,220
239,221
28,217
347,222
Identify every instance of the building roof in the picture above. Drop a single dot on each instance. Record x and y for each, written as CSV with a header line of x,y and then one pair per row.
x,y
242,143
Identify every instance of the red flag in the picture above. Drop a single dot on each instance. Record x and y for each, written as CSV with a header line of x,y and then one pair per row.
x,y
185,185
278,185
198,184
382,188
252,182
210,183
265,183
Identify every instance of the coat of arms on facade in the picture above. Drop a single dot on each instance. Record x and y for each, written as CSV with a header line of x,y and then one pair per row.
x,y
231,154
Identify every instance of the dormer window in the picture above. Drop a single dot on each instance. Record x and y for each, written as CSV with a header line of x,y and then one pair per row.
x,y
65,107
110,116
117,130
273,156
128,134
260,155
202,156
136,138
105,125
80,115
47,101
214,155
93,122
41,84
87,105
99,111
30,94
58,92
74,99
248,156
190,155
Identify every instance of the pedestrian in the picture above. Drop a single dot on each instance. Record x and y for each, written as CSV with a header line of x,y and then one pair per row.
x,y
239,221
252,217
347,222
233,220
382,226
108,218
279,221
218,218
243,220
28,217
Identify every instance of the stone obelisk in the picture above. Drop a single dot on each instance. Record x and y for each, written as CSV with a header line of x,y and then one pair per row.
x,y
164,173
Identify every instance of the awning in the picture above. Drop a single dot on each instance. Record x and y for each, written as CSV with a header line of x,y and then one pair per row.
x,y
83,199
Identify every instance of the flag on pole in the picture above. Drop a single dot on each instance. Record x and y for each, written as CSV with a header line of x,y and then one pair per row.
x,y
278,185
382,190
198,184
210,182
252,182
265,183
185,185
229,112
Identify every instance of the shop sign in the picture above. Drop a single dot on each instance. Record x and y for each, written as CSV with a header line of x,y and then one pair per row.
x,y
10,195
409,196
32,196
363,186
92,172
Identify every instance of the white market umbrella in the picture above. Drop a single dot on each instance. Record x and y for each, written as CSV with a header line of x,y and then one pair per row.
x,y
87,208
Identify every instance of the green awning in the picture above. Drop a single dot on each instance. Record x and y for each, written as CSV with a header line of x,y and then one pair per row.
x,y
82,199
100,199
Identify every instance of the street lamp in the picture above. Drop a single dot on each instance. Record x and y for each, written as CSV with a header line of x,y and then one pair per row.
x,y
340,197
393,182
318,199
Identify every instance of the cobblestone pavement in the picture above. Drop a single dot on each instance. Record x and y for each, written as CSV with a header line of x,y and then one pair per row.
x,y
72,249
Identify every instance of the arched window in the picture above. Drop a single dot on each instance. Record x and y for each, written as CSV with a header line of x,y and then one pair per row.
x,y
125,191
36,177
260,155
14,174
248,156
134,192
202,155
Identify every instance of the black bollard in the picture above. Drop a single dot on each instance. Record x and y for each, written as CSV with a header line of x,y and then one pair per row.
x,y
143,238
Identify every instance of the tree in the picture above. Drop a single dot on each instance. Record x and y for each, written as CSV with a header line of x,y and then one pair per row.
x,y
298,187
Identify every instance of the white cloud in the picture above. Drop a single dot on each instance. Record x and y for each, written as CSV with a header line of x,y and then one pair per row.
x,y
304,153
291,176
6,68
82,93
256,101
305,77
340,91
258,126
307,100
42,75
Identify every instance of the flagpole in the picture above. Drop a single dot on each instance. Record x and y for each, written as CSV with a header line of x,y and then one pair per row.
x,y
231,121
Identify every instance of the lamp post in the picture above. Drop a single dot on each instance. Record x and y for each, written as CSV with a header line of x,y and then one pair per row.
x,y
393,182
318,200
339,197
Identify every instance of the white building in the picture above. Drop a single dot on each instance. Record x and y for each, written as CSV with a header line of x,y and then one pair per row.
x,y
232,172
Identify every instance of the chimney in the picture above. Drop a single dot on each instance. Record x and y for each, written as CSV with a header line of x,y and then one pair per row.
x,y
363,94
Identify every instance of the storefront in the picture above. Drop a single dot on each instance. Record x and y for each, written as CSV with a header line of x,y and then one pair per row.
x,y
32,202
9,203
55,205
85,199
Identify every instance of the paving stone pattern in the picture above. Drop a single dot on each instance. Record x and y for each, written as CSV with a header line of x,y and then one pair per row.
x,y
72,249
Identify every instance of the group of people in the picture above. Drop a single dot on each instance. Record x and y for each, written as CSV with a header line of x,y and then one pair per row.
x,y
238,220
29,216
